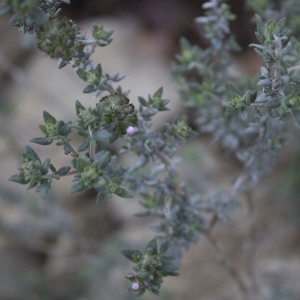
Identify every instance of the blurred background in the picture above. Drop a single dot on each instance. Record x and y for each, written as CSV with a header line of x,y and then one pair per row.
x,y
67,247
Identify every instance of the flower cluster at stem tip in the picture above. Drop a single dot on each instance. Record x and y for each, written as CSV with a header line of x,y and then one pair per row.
x,y
58,39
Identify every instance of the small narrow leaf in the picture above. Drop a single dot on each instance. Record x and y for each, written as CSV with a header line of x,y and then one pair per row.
x,y
263,98
100,198
103,158
44,187
52,168
41,141
130,254
244,114
102,135
259,53
45,166
67,149
32,184
281,23
63,170
142,101
259,23
158,93
81,164
62,63
83,146
43,129
89,89
77,188
78,108
122,192
99,70
48,118
152,244
17,178
169,268
164,247
264,72
65,128
117,77
31,153
82,74
265,82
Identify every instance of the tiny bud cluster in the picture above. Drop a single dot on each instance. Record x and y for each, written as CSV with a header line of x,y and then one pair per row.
x,y
58,43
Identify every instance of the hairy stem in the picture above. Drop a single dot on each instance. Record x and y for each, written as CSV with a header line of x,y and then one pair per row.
x,y
93,146
52,175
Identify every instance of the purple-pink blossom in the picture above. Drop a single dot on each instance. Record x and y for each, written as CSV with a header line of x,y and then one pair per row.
x,y
135,286
130,130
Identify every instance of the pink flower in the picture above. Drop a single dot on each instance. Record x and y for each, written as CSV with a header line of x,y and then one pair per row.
x,y
135,286
130,130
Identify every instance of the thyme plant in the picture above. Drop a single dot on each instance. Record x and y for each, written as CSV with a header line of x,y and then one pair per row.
x,y
248,120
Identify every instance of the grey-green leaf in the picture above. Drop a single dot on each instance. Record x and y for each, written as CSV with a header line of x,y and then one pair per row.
x,y
122,192
142,101
45,166
83,146
77,188
63,170
130,254
100,198
41,141
17,178
88,89
44,187
48,118
31,153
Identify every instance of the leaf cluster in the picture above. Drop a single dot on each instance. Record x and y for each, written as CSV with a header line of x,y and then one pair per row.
x,y
29,15
273,38
102,175
92,170
151,265
34,172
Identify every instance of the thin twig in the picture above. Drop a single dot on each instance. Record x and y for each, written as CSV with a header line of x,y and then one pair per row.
x,y
74,152
236,276
92,146
52,175
257,104
251,243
